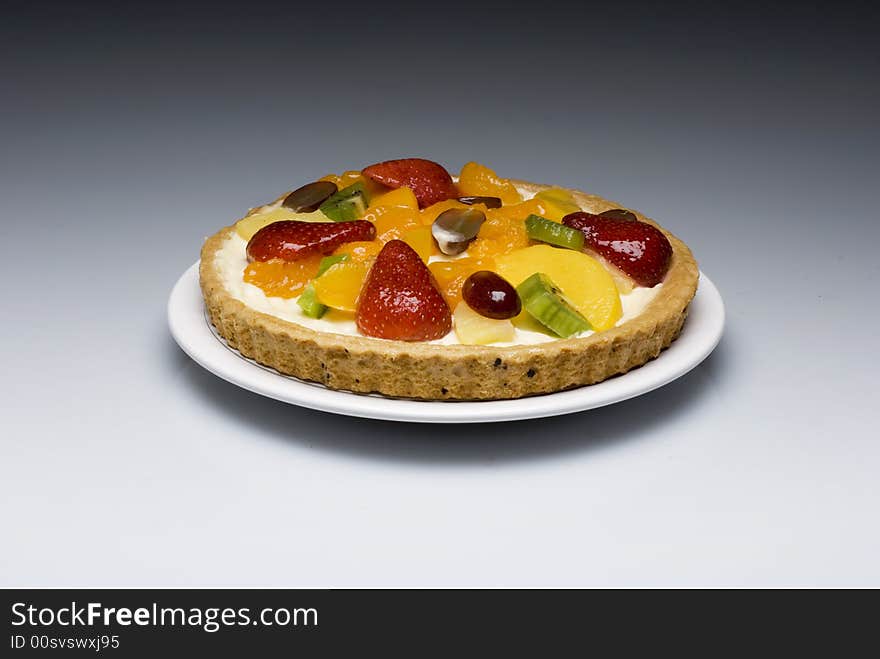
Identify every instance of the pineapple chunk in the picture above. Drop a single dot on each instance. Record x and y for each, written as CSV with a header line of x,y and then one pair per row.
x,y
473,329
247,227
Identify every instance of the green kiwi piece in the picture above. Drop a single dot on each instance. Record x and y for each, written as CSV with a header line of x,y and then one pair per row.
x,y
308,302
554,233
328,261
546,303
348,204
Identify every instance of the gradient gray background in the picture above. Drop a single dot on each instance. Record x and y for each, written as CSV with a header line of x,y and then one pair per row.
x,y
128,136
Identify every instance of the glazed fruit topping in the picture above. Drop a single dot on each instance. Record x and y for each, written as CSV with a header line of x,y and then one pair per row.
x,y
451,275
309,197
285,279
637,248
553,233
400,300
250,224
476,180
584,281
491,295
340,286
428,180
546,303
559,203
619,214
456,228
488,202
310,304
309,301
346,205
292,240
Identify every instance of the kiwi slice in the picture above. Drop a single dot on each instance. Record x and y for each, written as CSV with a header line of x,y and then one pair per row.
x,y
346,205
546,303
308,302
554,233
328,261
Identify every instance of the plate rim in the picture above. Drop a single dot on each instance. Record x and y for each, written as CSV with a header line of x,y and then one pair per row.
x,y
190,330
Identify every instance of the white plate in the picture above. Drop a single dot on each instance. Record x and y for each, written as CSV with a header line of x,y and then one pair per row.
x,y
196,335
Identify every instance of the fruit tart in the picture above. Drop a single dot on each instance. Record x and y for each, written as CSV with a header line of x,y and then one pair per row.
x,y
402,280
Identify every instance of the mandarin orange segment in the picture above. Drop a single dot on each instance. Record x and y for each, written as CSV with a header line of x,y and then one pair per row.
x,y
392,221
451,275
519,212
333,178
404,197
349,177
284,279
421,240
341,285
360,250
477,180
499,235
371,187
429,214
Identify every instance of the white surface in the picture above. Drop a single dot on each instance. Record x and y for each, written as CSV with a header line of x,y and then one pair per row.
x,y
191,330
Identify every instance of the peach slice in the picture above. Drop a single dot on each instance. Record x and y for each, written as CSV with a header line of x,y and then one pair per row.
x,y
582,279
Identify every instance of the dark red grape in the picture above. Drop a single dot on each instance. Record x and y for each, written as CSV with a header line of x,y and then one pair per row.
x,y
490,295
307,198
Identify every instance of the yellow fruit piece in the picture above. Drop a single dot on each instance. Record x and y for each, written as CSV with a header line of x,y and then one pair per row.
x,y
473,329
421,240
392,221
499,234
521,211
279,278
248,226
349,177
477,180
360,250
624,284
372,188
451,275
582,279
558,202
404,197
341,285
333,178
430,213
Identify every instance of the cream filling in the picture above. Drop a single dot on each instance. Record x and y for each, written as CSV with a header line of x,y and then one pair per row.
x,y
231,260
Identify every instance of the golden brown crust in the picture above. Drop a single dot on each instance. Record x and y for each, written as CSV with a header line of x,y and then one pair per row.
x,y
440,372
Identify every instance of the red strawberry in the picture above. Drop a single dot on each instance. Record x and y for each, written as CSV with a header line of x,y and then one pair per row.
x,y
429,181
638,248
400,299
291,240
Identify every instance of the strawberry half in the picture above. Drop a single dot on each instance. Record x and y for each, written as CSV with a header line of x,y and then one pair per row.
x,y
429,181
637,248
291,240
400,300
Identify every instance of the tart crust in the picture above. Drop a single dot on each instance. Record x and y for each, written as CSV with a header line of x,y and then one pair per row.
x,y
453,372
